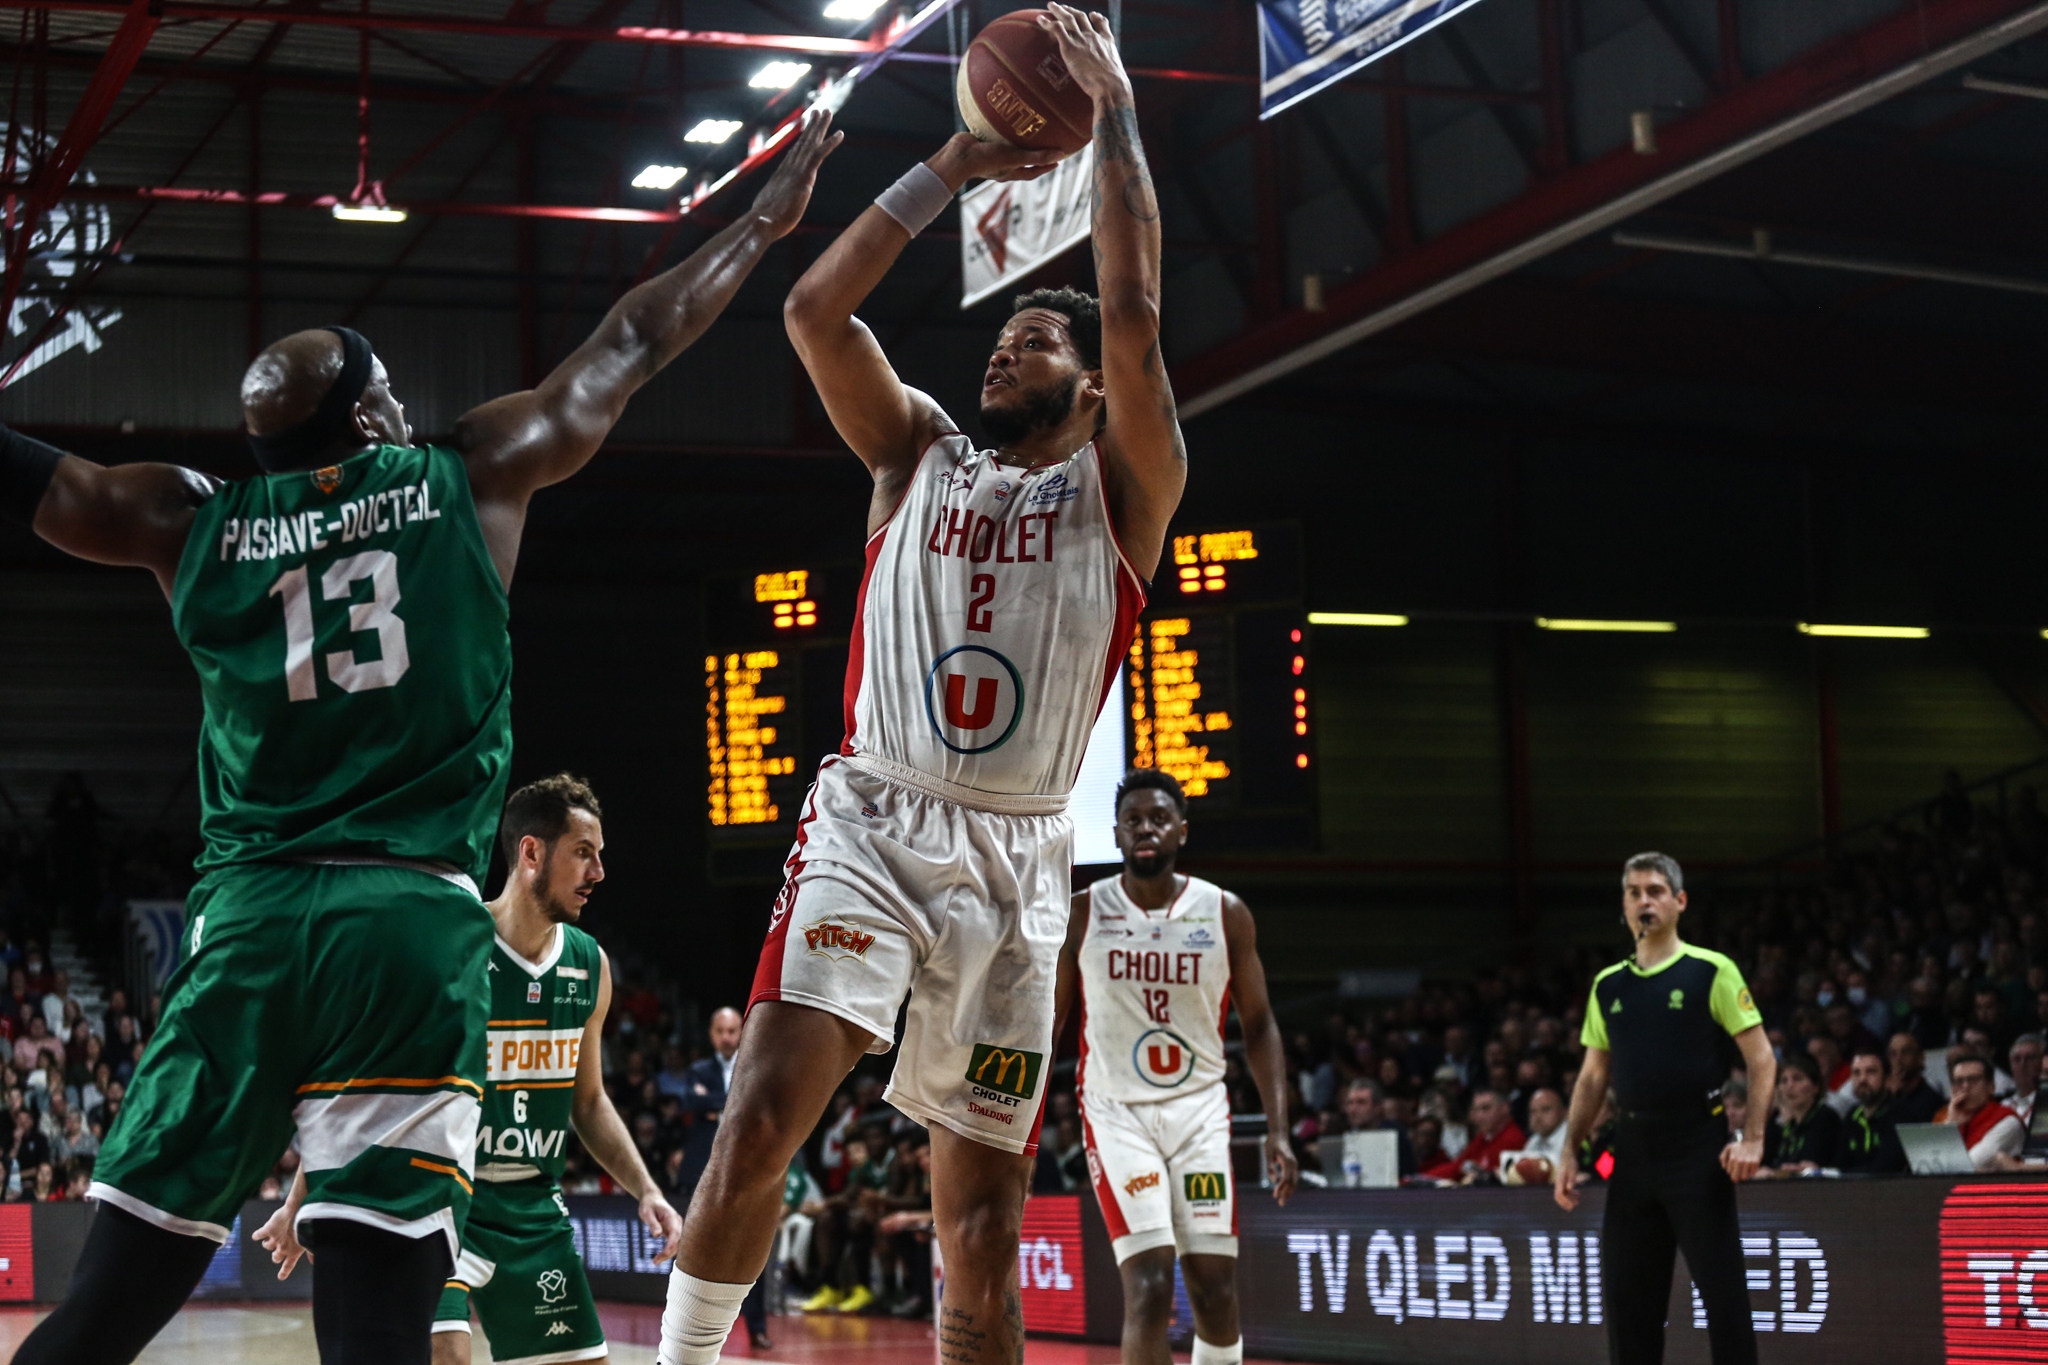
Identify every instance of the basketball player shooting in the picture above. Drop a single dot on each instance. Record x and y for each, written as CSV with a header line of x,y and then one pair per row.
x,y
346,610
1157,959
933,854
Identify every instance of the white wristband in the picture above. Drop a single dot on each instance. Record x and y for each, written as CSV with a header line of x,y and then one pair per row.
x,y
916,199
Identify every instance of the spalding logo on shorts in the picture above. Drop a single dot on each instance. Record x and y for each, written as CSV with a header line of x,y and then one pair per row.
x,y
974,698
1163,1059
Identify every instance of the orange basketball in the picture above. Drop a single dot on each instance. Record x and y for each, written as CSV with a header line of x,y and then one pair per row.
x,y
1534,1170
1014,88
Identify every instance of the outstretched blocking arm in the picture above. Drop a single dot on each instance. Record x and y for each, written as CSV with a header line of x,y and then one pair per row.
x,y
884,421
604,1133
523,442
1141,441
1264,1054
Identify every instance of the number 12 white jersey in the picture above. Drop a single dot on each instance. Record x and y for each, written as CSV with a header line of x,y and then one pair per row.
x,y
995,608
1155,990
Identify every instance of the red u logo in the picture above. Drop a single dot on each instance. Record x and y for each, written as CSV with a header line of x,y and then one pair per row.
x,y
957,712
1164,1062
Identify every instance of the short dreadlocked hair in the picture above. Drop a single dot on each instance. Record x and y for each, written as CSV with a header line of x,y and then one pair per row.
x,y
1083,314
1151,779
542,810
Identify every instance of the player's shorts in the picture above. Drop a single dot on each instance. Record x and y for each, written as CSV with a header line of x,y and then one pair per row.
x,y
347,1002
519,1266
895,890
1161,1172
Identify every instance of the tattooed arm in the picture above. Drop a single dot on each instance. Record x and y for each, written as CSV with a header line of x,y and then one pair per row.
x,y
1141,444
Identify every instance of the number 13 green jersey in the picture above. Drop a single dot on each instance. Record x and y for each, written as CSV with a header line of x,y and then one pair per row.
x,y
349,629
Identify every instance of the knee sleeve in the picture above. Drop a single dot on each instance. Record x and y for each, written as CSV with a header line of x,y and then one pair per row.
x,y
374,1292
131,1279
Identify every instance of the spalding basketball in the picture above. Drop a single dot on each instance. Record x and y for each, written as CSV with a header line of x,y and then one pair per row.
x,y
1534,1170
1013,87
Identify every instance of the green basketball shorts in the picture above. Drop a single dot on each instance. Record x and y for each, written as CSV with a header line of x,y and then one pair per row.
x,y
519,1265
346,1003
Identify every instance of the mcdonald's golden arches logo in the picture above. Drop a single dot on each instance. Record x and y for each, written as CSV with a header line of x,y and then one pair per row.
x,y
1206,1187
1013,1071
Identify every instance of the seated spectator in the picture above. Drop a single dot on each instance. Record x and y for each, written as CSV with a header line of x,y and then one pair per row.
x,y
1834,1073
103,1117
30,1042
1546,1125
1869,1143
1062,1159
1913,1100
42,1186
1431,1160
1735,1105
1806,1132
1494,1132
2024,1061
674,1078
904,1226
1362,1114
1991,1132
56,1001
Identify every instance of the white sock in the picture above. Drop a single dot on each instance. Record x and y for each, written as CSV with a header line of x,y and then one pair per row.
x,y
1205,1354
698,1319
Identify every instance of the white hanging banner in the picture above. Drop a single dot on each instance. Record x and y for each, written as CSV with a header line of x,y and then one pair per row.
x,y
1008,229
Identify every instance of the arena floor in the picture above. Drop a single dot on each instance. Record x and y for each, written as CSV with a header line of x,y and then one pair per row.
x,y
272,1334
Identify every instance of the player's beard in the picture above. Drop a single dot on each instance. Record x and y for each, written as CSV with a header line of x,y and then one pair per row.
x,y
1039,411
1149,862
559,910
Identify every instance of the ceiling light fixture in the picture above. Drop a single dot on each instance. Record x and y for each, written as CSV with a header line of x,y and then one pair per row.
x,y
660,177
1619,627
712,130
851,9
779,75
369,213
1866,632
1354,618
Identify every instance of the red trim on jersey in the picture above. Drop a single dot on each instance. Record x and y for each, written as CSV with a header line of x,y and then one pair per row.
x,y
1109,518
1038,1119
856,646
1112,1214
1130,601
768,971
1231,1175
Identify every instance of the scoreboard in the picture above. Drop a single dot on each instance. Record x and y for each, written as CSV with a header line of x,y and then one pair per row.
x,y
1215,691
1217,684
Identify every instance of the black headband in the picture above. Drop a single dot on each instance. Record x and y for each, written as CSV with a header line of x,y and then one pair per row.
x,y
295,445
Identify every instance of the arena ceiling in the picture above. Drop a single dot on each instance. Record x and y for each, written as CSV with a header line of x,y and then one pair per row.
x,y
1793,219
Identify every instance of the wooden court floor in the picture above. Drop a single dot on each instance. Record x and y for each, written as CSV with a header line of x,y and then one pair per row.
x,y
271,1334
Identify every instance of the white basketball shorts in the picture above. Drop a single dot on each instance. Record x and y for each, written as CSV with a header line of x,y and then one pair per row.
x,y
1161,1172
892,890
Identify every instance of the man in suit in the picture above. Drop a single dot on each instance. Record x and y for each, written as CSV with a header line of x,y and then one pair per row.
x,y
709,1081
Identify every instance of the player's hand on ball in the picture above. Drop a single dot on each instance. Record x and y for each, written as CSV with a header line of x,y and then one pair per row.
x,y
787,194
281,1240
1566,1182
1089,49
966,157
664,1222
1282,1171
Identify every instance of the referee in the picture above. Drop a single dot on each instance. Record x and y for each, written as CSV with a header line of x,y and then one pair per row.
x,y
1656,1029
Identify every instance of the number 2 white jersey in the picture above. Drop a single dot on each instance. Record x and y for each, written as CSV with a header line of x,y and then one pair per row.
x,y
995,608
1155,989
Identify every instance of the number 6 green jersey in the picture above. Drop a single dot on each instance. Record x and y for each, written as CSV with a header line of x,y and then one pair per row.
x,y
538,1013
349,631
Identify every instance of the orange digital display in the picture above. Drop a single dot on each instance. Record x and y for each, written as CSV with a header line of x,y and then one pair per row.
x,y
1202,562
744,746
1171,724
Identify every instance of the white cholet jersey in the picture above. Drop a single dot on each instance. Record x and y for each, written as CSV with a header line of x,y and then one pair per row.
x,y
994,611
1155,990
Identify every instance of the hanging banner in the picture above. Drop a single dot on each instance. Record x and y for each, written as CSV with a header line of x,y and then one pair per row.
x,y
1009,229
1305,45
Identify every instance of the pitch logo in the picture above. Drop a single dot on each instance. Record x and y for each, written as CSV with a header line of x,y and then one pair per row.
x,y
1163,1058
553,1286
1206,1187
837,941
973,698
1013,1071
1139,1183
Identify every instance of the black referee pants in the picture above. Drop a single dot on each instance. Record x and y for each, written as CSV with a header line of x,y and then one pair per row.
x,y
1669,1194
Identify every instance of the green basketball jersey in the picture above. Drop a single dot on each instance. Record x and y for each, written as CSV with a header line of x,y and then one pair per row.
x,y
349,631
538,1010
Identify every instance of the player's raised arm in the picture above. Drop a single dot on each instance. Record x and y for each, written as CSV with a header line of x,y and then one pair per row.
x,y
1264,1053
1146,459
885,422
133,514
525,441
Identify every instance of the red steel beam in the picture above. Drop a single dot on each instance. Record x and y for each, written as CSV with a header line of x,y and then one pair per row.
x,y
1835,80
